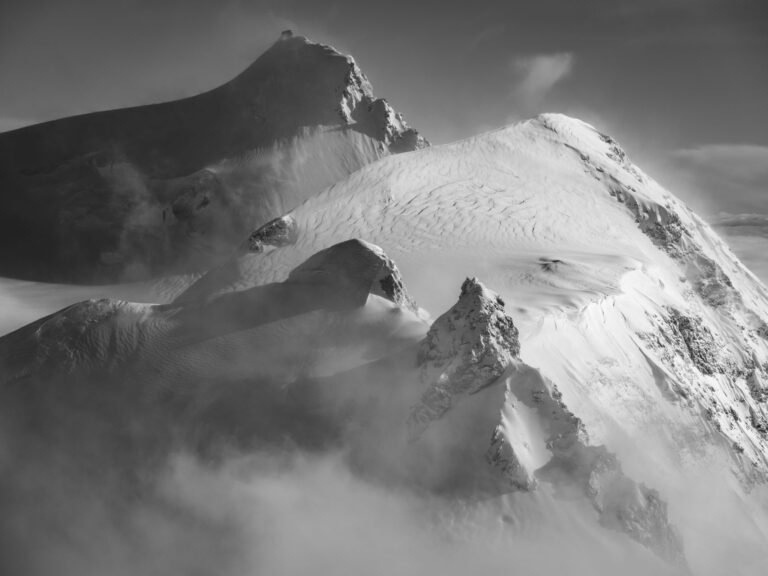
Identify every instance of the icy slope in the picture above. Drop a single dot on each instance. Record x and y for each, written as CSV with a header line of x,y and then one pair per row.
x,y
651,329
142,191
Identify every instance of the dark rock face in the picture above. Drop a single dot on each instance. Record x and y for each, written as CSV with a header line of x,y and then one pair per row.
x,y
389,285
756,384
278,232
175,186
666,230
550,264
388,126
502,456
493,337
466,349
699,342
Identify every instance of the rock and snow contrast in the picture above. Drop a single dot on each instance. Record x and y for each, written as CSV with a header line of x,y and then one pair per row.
x,y
252,367
628,304
138,192
595,257
521,327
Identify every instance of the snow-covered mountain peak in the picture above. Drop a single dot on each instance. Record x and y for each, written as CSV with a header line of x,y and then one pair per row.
x,y
353,87
638,354
476,331
466,349
357,104
187,180
599,261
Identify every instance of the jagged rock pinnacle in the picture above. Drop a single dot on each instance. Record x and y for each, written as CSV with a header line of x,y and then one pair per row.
x,y
466,349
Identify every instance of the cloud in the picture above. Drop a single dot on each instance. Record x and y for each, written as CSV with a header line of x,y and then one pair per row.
x,y
732,177
747,235
728,185
746,161
751,250
538,74
486,35
742,224
288,514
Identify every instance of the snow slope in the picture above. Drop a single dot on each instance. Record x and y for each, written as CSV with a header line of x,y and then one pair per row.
x,y
582,245
138,192
332,357
610,364
651,329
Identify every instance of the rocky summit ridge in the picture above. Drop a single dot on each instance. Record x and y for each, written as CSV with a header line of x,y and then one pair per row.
x,y
174,187
475,345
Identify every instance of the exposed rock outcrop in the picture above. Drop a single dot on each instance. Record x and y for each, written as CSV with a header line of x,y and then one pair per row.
x,y
659,220
475,346
278,232
699,342
466,349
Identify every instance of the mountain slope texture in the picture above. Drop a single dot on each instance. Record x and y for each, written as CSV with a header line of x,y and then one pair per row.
x,y
651,329
137,192
524,354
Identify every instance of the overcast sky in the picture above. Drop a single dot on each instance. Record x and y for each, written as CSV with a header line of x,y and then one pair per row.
x,y
682,84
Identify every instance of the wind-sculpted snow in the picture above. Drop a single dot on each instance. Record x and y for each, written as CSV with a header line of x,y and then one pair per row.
x,y
278,232
104,334
631,385
649,326
552,213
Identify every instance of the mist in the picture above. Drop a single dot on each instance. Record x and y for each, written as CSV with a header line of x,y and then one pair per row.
x,y
286,514
603,413
85,493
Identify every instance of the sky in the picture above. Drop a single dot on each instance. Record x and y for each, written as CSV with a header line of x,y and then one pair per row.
x,y
681,84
